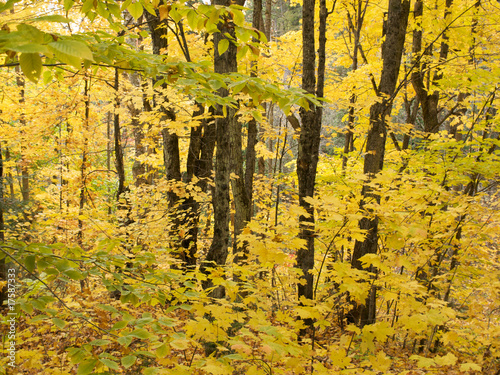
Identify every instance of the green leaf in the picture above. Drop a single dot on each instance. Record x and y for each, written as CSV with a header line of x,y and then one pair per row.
x,y
109,363
31,64
125,340
32,34
28,48
192,17
135,10
242,51
30,259
72,48
223,46
119,325
108,308
6,6
238,16
128,360
162,351
68,4
52,18
151,371
86,367
87,6
74,274
140,334
59,323
26,307
99,342
174,14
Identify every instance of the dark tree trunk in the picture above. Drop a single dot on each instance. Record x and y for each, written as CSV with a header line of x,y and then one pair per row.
x,y
309,140
190,205
225,130
121,198
243,185
83,166
429,100
171,156
25,185
392,51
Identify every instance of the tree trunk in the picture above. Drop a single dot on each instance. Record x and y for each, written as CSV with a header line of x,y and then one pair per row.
x,y
243,185
309,139
119,162
392,50
356,30
171,156
225,128
25,185
83,166
429,100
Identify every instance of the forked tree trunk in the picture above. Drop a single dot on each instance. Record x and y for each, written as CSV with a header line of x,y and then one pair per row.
x,y
392,50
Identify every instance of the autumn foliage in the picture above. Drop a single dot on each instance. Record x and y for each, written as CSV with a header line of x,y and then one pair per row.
x,y
151,202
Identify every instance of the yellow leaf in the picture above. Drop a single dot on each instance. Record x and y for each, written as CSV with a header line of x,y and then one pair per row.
x,y
447,360
380,362
470,366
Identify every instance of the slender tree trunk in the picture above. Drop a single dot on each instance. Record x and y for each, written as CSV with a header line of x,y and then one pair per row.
x,y
108,155
309,139
392,51
25,186
83,167
121,198
10,179
243,185
356,30
429,100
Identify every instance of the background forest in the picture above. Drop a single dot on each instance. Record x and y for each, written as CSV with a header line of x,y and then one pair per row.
x,y
250,188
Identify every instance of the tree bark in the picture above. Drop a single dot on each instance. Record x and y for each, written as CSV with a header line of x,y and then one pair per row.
x,y
83,166
123,204
225,124
309,139
392,51
429,100
25,185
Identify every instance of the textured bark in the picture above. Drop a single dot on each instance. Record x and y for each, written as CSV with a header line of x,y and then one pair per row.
x,y
190,205
240,195
25,184
122,200
243,185
267,31
225,128
392,50
429,100
83,166
309,139
182,247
